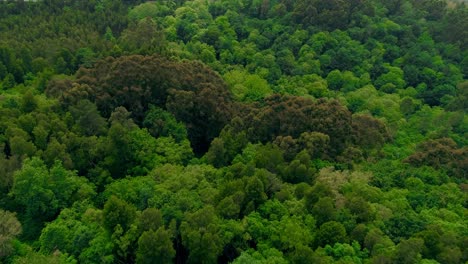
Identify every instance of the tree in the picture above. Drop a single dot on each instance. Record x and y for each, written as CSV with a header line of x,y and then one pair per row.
x,y
394,77
454,28
42,192
319,190
247,87
100,250
369,132
330,233
133,151
450,254
441,153
161,123
324,210
21,147
216,154
190,91
360,208
328,15
335,80
155,246
460,101
144,37
316,144
28,102
32,257
409,251
118,212
135,190
57,236
9,165
255,192
200,236
292,116
377,243
151,219
302,255
8,81
88,119
299,170
150,9
85,57
10,228
205,113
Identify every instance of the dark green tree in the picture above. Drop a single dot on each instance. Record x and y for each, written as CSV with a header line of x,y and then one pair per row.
x,y
155,246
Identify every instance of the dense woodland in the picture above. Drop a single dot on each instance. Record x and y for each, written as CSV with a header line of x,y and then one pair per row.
x,y
233,131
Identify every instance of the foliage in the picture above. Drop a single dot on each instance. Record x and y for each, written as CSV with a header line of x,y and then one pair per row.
x,y
187,131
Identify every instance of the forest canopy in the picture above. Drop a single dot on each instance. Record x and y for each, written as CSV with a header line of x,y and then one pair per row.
x,y
246,131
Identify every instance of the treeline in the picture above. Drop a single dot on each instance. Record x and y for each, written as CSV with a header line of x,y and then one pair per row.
x,y
233,131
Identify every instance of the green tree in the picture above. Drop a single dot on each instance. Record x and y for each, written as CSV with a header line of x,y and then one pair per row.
x,y
8,81
99,250
42,192
200,235
117,212
216,155
144,37
335,80
392,80
255,193
149,9
247,87
155,245
151,219
162,123
409,251
324,210
302,255
330,233
319,190
299,170
28,102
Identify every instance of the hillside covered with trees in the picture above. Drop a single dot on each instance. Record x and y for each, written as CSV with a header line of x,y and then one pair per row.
x,y
233,131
